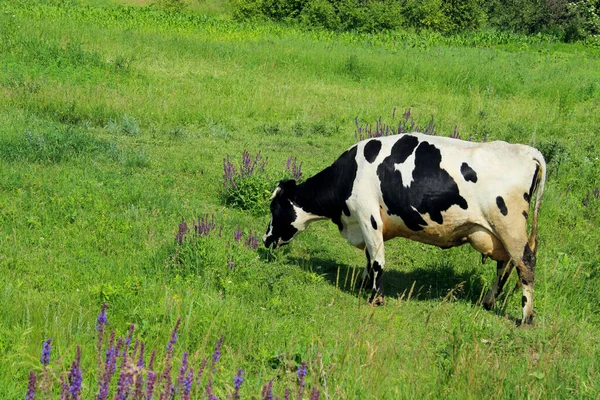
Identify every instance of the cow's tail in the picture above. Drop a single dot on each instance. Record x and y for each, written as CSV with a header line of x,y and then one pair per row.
x,y
537,185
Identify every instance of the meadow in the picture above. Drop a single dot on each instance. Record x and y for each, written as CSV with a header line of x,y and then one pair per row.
x,y
117,120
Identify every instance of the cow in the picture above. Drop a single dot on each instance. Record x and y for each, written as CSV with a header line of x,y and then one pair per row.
x,y
435,190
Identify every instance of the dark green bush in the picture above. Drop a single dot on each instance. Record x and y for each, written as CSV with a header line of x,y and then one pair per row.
x,y
569,20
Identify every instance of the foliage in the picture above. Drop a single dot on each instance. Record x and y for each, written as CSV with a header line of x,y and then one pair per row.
x,y
81,225
568,20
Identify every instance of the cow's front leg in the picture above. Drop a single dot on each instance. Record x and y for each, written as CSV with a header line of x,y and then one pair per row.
x,y
375,252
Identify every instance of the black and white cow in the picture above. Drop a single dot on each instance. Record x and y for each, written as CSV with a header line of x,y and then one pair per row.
x,y
435,190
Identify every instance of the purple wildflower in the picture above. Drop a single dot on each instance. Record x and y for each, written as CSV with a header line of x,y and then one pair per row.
x,y
315,394
455,134
75,376
430,128
173,338
596,193
237,235
252,241
183,229
217,354
64,388
201,371
406,115
229,172
209,390
204,226
237,383
46,348
102,319
150,384
129,336
183,369
267,391
294,168
140,363
31,387
286,395
187,384
301,381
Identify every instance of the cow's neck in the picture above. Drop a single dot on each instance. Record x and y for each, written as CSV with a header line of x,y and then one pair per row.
x,y
324,195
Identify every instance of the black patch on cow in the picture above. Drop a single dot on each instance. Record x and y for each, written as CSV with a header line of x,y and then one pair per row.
x,y
325,194
525,214
377,289
345,210
532,187
373,223
501,205
468,173
372,149
431,191
526,197
283,215
529,258
523,301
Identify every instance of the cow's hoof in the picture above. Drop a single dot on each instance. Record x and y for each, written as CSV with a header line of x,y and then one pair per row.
x,y
377,301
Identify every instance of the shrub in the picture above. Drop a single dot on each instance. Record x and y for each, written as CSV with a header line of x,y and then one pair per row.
x,y
246,186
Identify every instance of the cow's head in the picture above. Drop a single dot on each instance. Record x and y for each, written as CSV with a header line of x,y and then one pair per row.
x,y
284,216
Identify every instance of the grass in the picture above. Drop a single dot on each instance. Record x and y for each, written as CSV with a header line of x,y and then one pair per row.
x,y
116,122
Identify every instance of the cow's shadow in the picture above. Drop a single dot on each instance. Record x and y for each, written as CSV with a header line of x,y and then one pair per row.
x,y
431,281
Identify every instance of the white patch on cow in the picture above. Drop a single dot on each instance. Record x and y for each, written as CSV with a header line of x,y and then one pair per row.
x,y
406,170
270,232
277,190
303,218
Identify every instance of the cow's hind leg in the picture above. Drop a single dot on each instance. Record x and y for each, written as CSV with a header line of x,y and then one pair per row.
x,y
489,245
503,270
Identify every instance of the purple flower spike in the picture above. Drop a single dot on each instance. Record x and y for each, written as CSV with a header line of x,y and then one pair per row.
x,y
31,387
237,383
102,319
201,370
237,236
183,369
252,241
217,354
46,348
187,384
150,385
75,377
596,193
315,394
183,229
267,392
173,339
301,381
286,395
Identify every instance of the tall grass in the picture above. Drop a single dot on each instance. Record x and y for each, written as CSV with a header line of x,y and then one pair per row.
x,y
116,122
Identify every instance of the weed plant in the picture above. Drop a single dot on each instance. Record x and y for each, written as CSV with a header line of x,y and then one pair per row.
x,y
126,368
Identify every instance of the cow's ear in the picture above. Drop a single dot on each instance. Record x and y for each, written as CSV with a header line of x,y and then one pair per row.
x,y
288,188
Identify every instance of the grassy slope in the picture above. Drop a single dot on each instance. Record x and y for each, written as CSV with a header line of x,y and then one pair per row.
x,y
89,206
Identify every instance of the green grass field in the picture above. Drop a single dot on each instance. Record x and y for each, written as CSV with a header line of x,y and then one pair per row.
x,y
116,119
